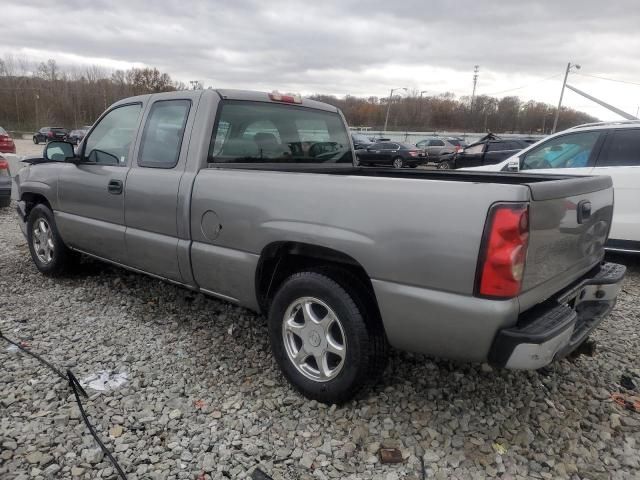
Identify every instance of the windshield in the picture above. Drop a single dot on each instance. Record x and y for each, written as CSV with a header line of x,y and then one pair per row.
x,y
256,132
2,131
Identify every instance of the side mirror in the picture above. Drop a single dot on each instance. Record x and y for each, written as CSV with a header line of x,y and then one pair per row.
x,y
59,152
513,166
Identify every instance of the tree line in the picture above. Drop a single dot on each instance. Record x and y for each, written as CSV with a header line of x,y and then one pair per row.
x,y
446,112
33,95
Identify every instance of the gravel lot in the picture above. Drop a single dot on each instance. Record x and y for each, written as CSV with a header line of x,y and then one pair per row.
x,y
204,394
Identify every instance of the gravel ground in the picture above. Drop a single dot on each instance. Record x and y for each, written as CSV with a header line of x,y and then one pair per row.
x,y
205,400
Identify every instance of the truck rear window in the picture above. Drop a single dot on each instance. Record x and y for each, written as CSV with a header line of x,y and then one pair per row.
x,y
257,132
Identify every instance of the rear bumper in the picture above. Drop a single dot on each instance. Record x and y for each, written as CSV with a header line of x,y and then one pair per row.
x,y
554,329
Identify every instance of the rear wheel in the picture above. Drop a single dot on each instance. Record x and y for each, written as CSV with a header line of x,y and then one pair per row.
x,y
48,251
5,202
35,140
444,165
398,162
324,336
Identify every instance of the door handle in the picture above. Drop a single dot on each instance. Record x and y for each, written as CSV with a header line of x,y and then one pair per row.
x,y
115,187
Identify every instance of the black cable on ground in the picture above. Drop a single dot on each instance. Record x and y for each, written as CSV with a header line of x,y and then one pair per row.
x,y
36,356
77,389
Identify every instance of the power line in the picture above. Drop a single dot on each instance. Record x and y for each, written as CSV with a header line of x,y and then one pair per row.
x,y
609,79
525,86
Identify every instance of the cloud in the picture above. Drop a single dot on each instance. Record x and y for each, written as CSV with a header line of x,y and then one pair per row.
x,y
346,47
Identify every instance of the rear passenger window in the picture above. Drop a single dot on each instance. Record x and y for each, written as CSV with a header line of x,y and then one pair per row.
x,y
436,143
623,149
163,132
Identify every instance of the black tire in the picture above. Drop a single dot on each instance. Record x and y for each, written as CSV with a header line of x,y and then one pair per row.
x,y
5,202
35,140
366,344
397,162
445,165
62,258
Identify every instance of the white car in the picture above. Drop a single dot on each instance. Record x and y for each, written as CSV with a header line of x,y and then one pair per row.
x,y
603,148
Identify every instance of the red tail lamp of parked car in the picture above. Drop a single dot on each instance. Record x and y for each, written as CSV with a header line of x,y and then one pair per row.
x,y
504,251
4,168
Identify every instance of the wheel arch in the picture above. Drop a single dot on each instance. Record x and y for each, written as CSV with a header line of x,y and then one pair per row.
x,y
279,260
31,199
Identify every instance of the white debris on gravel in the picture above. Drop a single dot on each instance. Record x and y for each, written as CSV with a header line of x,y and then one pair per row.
x,y
204,398
104,381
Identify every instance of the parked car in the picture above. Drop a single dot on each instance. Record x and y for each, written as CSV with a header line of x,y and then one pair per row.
x,y
5,183
436,147
224,196
489,150
46,134
394,154
603,148
6,142
76,136
360,141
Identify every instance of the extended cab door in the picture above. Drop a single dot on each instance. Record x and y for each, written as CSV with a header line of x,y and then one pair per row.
x,y
91,192
151,205
620,159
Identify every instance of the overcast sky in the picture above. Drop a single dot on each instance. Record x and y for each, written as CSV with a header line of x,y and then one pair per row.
x,y
348,47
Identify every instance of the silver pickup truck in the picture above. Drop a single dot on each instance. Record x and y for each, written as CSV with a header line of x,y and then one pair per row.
x,y
255,198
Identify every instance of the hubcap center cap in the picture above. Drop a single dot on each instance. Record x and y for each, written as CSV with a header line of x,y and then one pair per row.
x,y
314,339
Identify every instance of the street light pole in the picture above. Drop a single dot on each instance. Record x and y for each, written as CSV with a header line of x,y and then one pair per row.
x,y
420,103
564,84
386,118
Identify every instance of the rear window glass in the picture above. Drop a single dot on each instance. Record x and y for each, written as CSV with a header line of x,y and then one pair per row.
x,y
453,141
2,131
256,132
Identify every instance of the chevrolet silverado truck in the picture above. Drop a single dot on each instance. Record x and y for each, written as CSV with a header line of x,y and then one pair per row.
x,y
256,199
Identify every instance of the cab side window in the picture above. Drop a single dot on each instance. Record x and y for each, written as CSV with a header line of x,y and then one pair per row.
x,y
622,150
111,139
574,150
163,133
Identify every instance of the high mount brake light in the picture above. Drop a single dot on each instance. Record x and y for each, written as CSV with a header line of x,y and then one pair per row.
x,y
504,251
285,97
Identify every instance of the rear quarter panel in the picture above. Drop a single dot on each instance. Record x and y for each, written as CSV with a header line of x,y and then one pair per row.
x,y
417,232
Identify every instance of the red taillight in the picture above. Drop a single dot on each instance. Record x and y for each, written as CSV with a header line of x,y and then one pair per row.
x,y
414,153
285,97
49,134
504,251
4,168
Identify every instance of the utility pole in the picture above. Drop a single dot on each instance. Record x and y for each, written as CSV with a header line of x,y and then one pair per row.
x,y
476,72
37,121
386,118
564,84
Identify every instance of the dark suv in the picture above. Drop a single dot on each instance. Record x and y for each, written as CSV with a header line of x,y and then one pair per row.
x,y
47,134
489,150
394,154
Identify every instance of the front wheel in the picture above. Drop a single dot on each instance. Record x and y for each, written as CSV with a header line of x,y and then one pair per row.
x,y
444,165
398,162
47,249
324,336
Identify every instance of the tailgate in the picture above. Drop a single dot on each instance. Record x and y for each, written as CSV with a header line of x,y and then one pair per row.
x,y
569,224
